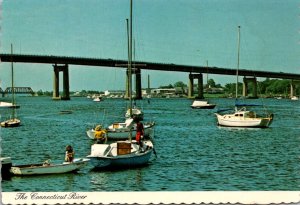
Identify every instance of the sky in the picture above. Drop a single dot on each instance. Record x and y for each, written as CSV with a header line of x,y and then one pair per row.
x,y
187,32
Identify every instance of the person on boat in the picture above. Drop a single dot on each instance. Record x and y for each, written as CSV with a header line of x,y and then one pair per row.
x,y
100,134
139,131
69,154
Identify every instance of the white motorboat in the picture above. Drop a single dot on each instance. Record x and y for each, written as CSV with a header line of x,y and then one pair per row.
x,y
294,98
120,130
244,118
48,168
122,154
202,104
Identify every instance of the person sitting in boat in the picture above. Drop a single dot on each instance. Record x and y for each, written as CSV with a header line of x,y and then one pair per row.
x,y
69,154
100,134
139,131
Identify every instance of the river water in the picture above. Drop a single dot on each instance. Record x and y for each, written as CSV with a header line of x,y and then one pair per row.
x,y
193,153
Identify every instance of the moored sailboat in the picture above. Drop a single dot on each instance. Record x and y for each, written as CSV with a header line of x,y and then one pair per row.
x,y
123,154
243,117
13,121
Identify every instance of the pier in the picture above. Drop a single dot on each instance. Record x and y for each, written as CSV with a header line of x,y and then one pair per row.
x,y
61,64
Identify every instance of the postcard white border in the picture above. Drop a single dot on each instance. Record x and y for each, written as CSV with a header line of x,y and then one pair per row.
x,y
215,197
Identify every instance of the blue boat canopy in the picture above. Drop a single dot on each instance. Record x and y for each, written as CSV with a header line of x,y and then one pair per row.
x,y
239,104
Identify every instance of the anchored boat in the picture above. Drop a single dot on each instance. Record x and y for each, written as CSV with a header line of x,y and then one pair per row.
x,y
48,168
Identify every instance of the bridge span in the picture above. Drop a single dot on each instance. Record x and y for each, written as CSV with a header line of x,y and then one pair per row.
x,y
195,71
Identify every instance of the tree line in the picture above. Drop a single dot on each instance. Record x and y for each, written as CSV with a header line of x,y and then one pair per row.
x,y
268,87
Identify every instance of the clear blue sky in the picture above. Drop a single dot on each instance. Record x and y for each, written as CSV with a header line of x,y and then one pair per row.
x,y
187,32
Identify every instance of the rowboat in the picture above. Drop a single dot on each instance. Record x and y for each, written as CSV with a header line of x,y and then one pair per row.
x,y
48,168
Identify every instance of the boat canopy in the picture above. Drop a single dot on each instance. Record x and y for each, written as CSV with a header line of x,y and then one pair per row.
x,y
240,104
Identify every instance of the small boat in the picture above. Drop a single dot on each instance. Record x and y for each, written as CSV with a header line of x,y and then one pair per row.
x,y
121,154
13,121
120,130
97,99
65,112
136,113
202,104
48,168
8,105
294,98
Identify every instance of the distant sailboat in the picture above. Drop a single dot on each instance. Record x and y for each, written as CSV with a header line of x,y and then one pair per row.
x,y
243,117
13,121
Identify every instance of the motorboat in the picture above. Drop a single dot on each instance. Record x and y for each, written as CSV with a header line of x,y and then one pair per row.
x,y
244,118
121,154
120,130
294,98
48,168
202,104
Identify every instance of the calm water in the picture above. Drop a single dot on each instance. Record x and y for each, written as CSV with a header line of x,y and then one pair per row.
x,y
193,153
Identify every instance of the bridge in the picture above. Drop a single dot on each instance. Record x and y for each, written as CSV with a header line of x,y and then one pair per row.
x,y
60,63
17,90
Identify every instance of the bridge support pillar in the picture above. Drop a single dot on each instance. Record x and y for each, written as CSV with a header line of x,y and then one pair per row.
x,y
138,84
191,85
245,86
127,85
66,88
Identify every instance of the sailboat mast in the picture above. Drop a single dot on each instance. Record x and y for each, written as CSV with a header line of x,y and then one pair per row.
x,y
130,65
207,74
12,81
238,64
130,60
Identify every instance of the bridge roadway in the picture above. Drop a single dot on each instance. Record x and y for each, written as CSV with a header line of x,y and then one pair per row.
x,y
145,65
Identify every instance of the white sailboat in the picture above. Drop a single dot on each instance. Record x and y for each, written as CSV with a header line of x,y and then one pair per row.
x,y
243,117
120,130
13,121
123,154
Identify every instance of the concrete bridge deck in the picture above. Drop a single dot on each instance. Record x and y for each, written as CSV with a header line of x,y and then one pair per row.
x,y
146,65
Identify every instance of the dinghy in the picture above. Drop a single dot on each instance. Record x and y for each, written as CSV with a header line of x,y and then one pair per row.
x,y
48,168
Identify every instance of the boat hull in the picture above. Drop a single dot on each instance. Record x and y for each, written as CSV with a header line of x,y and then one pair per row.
x,y
134,160
232,121
10,123
209,106
124,133
109,156
40,169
